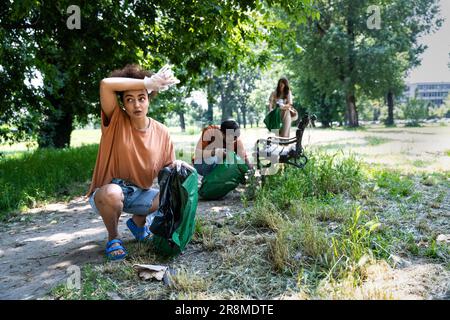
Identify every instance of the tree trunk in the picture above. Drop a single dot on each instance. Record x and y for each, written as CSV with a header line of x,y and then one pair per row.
x,y
244,116
326,124
376,114
325,113
227,110
210,97
239,119
209,112
390,103
55,131
352,112
182,122
223,108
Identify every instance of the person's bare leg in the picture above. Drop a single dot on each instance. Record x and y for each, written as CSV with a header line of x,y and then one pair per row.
x,y
155,204
286,123
109,202
140,220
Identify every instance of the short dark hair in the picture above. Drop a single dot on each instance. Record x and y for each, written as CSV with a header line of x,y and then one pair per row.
x,y
132,71
230,124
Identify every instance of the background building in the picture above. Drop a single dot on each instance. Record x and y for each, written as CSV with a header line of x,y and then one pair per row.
x,y
434,92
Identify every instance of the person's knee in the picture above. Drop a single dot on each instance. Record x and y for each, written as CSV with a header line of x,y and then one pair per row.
x,y
111,195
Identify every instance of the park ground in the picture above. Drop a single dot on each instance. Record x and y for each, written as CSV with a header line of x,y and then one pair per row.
x,y
396,228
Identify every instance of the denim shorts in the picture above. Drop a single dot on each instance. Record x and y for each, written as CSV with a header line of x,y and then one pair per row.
x,y
136,200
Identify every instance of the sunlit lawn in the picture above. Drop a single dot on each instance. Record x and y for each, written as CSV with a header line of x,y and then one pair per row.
x,y
422,148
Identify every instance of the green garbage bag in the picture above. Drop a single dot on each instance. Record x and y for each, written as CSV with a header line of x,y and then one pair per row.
x,y
174,223
224,178
273,119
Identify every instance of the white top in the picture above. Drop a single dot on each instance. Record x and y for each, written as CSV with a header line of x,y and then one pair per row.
x,y
273,101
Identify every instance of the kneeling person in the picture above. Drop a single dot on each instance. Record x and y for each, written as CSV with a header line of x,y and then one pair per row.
x,y
221,159
133,149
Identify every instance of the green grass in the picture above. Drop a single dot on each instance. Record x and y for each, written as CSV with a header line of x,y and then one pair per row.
x,y
420,163
346,128
326,219
190,130
397,185
323,176
375,141
27,179
78,138
85,136
94,286
437,251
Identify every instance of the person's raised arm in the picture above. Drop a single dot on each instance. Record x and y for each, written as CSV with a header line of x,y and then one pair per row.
x,y
110,86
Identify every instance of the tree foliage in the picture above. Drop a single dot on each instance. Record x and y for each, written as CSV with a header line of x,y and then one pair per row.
x,y
344,57
37,43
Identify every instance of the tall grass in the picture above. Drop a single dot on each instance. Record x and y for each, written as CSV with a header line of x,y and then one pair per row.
x,y
324,175
320,230
44,175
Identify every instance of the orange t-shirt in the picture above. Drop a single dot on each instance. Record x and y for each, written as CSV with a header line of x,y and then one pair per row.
x,y
131,154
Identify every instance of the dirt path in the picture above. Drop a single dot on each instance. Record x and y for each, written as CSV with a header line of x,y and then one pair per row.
x,y
35,253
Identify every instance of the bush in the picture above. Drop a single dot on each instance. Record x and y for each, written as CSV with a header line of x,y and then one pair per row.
x,y
439,112
414,111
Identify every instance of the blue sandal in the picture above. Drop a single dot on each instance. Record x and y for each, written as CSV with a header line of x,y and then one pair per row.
x,y
110,249
140,233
